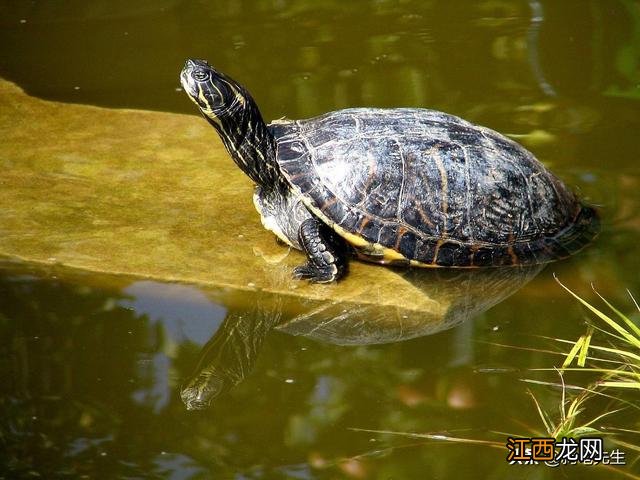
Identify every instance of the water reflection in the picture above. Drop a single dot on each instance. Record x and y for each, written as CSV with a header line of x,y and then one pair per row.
x,y
452,297
185,315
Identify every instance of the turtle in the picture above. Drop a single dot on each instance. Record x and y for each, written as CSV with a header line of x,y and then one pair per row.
x,y
406,187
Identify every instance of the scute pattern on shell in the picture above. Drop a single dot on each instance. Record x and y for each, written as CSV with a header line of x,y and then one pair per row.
x,y
431,186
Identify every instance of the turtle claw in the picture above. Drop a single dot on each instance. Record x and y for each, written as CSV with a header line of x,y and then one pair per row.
x,y
325,252
314,274
302,272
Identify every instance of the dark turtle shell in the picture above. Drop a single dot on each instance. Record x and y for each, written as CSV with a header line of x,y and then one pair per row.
x,y
425,187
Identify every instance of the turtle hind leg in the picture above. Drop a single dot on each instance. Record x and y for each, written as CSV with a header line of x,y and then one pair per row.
x,y
326,252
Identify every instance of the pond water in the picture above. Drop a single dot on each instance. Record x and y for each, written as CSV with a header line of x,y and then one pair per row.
x,y
93,365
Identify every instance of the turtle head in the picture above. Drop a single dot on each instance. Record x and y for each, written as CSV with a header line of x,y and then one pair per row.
x,y
231,110
203,389
216,95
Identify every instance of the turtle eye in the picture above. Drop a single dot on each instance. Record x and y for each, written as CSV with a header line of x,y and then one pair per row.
x,y
200,75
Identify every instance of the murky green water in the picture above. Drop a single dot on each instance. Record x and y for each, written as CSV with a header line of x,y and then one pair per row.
x,y
92,366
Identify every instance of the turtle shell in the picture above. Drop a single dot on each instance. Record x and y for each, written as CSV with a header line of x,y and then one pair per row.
x,y
427,188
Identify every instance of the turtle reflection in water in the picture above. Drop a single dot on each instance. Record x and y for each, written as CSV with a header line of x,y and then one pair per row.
x,y
450,297
404,186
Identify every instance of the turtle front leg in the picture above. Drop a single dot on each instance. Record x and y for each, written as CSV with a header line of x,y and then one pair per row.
x,y
327,253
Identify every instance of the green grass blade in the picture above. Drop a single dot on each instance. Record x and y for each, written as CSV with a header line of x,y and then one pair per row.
x,y
430,436
622,316
608,320
550,352
634,299
617,351
609,371
591,390
582,358
543,415
600,417
621,384
579,432
573,352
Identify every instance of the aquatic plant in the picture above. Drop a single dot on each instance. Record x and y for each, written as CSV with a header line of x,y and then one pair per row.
x,y
622,347
592,354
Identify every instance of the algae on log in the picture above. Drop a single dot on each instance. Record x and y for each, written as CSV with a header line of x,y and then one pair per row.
x,y
153,195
